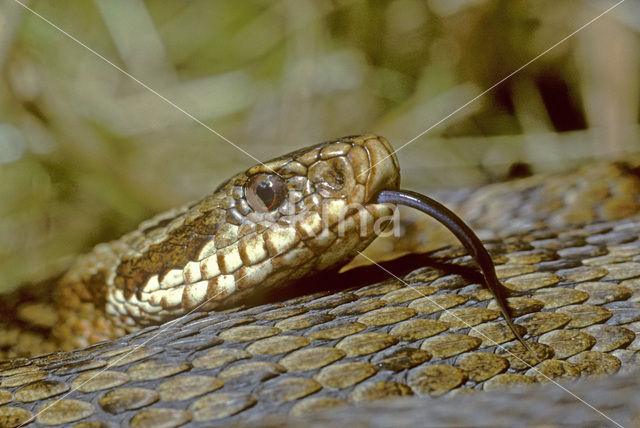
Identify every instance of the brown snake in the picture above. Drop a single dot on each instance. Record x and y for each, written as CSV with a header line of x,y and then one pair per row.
x,y
297,214
304,212
219,251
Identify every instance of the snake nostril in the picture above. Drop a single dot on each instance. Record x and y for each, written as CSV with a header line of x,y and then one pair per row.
x,y
333,177
334,180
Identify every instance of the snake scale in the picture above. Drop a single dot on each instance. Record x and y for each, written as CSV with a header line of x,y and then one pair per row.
x,y
341,340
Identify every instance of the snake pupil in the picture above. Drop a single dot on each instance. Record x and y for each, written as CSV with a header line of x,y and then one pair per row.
x,y
265,192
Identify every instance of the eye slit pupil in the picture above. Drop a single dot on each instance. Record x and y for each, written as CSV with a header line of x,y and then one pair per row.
x,y
265,192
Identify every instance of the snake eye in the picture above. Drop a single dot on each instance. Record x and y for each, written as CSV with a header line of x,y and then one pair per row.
x,y
265,192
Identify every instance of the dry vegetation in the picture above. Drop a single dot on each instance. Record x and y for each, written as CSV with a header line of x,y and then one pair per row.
x,y
86,152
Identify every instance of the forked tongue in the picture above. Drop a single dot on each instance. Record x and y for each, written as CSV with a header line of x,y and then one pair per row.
x,y
467,237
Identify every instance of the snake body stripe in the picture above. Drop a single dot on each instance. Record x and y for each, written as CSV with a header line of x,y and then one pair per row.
x,y
578,299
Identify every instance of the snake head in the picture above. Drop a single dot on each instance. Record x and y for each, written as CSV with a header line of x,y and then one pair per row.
x,y
324,194
264,228
303,212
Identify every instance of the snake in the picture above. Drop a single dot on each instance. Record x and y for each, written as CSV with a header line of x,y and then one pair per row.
x,y
163,300
301,213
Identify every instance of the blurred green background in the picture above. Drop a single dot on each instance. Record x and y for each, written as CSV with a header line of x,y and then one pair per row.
x,y
86,153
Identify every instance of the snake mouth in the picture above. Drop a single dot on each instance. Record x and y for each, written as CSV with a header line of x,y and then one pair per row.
x,y
383,170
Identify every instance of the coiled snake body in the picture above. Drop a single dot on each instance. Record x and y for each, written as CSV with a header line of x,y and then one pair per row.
x,y
578,293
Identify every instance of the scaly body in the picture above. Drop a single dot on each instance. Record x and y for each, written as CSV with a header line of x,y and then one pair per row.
x,y
579,303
